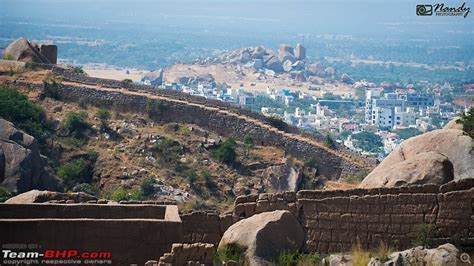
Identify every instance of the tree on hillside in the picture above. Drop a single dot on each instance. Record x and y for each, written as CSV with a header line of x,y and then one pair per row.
x,y
16,108
225,152
76,124
467,121
406,133
367,141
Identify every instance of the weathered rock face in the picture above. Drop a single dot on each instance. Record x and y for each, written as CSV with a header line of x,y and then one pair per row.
x,y
284,177
346,79
22,167
424,168
446,254
155,77
38,196
300,52
23,50
264,236
273,63
453,124
426,159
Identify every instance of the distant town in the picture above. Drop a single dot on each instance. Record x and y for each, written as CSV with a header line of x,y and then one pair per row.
x,y
373,122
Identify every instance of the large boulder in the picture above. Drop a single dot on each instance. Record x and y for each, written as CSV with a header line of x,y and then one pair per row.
x,y
422,159
446,255
273,63
22,50
346,79
453,124
283,177
154,77
22,167
37,196
264,236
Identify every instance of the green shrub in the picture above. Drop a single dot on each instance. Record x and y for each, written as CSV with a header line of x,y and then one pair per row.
x,y
357,178
230,252
169,151
88,188
51,88
103,115
79,70
406,133
467,121
277,122
248,144
31,65
310,162
4,195
16,108
423,235
76,124
329,142
135,194
75,172
225,152
8,57
128,81
119,194
296,258
154,107
147,187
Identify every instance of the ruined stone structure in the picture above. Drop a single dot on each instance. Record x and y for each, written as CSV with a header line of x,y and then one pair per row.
x,y
131,233
333,221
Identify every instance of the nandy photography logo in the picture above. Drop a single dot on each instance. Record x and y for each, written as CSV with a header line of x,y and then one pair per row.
x,y
443,10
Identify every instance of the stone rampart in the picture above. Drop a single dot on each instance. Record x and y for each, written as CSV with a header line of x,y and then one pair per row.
x,y
336,220
330,163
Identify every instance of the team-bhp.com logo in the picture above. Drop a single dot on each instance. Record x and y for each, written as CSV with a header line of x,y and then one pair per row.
x,y
443,10
31,256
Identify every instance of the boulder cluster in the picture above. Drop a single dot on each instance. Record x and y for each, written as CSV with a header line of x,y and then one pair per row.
x,y
288,59
29,52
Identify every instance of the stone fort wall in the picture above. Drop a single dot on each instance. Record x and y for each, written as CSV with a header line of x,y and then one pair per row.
x,y
333,221
131,233
331,163
336,220
69,75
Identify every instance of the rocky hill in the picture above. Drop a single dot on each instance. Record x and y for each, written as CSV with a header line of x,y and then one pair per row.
x,y
122,154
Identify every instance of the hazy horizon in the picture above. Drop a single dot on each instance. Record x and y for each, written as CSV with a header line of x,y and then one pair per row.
x,y
160,33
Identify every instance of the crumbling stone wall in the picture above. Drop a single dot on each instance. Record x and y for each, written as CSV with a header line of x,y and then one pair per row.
x,y
335,220
188,254
330,163
204,227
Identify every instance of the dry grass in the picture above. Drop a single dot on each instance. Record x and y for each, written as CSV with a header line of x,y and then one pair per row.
x,y
361,256
332,185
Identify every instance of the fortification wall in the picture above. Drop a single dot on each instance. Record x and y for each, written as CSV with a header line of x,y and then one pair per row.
x,y
71,76
129,240
335,220
330,163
